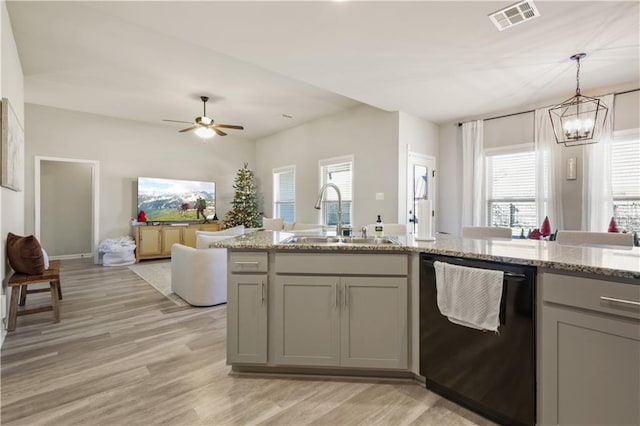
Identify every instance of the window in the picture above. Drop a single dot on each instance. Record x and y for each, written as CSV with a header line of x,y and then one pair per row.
x,y
625,182
338,171
511,191
284,193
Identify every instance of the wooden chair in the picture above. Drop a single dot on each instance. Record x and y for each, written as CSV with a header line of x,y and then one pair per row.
x,y
19,284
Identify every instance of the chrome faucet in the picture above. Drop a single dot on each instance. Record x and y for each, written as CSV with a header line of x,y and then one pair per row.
x,y
319,200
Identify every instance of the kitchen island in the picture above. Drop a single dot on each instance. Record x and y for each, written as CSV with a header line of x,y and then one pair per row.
x,y
354,309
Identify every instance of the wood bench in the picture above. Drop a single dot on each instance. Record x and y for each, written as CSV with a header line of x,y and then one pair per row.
x,y
19,284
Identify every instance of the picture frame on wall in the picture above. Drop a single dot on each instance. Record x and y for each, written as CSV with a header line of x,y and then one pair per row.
x,y
12,150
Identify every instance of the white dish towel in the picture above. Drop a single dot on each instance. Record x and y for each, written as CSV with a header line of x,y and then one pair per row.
x,y
469,296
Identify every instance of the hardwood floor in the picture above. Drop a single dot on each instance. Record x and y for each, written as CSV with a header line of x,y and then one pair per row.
x,y
123,354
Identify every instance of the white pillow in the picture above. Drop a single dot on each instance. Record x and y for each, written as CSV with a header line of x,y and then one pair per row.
x,y
307,231
288,226
275,224
45,257
301,226
233,232
204,241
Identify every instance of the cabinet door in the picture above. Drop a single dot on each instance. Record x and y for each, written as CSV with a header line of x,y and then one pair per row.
x,y
149,241
307,324
590,368
189,236
170,236
374,322
247,318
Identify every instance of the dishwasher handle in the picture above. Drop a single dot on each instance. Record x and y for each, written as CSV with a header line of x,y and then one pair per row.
x,y
507,274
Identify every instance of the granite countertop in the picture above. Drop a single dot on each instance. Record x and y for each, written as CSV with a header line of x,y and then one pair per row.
x,y
614,262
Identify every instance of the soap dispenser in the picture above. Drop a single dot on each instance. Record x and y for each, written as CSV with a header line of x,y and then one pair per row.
x,y
379,228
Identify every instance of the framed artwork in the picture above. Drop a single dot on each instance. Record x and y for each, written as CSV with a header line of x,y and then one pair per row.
x,y
12,152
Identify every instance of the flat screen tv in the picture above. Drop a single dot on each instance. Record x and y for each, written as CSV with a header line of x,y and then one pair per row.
x,y
173,200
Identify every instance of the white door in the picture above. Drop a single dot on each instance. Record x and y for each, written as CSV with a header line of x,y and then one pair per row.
x,y
421,175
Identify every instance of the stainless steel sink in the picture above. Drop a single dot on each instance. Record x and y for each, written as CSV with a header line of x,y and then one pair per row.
x,y
337,240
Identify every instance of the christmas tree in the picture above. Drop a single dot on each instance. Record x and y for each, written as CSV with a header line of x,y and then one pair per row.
x,y
244,210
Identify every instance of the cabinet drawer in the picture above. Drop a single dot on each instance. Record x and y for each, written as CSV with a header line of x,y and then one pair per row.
x,y
588,293
331,263
248,261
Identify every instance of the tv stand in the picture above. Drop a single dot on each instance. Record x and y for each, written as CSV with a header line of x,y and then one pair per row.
x,y
155,241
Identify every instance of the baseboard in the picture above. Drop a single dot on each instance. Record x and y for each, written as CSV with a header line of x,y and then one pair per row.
x,y
322,373
71,256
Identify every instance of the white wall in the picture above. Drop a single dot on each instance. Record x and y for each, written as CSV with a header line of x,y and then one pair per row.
x,y
518,130
12,88
128,149
449,182
414,135
367,133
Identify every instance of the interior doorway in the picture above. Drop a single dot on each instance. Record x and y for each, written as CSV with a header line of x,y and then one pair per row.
x,y
66,206
421,175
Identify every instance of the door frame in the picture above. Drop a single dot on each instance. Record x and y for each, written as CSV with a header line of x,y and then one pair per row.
x,y
95,201
411,158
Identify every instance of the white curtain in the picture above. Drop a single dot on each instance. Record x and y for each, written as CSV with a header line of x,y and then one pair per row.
x,y
548,171
597,195
473,174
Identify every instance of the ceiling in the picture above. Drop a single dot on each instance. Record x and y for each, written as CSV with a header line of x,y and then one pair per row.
x,y
258,61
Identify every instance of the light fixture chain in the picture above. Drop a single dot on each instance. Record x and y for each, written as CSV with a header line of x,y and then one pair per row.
x,y
578,76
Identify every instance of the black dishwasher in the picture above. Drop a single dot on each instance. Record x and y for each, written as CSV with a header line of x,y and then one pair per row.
x,y
491,374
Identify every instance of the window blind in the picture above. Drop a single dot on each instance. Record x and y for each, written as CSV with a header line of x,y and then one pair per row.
x,y
625,183
511,191
284,193
340,173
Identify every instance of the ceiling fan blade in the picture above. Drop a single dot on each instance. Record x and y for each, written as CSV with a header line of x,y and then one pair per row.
x,y
229,126
179,121
219,132
189,128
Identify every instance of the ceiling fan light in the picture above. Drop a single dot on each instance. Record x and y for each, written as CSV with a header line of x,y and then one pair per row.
x,y
205,132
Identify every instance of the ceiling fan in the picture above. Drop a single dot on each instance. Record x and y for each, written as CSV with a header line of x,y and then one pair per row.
x,y
203,126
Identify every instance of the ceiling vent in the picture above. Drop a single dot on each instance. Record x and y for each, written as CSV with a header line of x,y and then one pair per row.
x,y
515,14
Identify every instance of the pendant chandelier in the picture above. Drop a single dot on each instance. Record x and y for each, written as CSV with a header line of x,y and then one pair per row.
x,y
578,120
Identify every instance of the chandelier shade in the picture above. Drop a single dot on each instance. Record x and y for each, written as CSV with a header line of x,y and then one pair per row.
x,y
578,120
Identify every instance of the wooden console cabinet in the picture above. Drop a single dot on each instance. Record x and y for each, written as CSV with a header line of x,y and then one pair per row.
x,y
154,242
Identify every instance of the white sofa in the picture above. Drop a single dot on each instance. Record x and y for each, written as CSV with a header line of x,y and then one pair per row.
x,y
199,275
277,224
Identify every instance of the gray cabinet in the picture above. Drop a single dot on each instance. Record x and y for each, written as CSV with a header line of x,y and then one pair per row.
x,y
154,242
347,320
590,352
373,323
247,291
307,320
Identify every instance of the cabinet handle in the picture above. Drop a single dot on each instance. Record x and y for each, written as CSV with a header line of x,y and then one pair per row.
x,y
626,302
262,290
248,263
335,289
346,295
